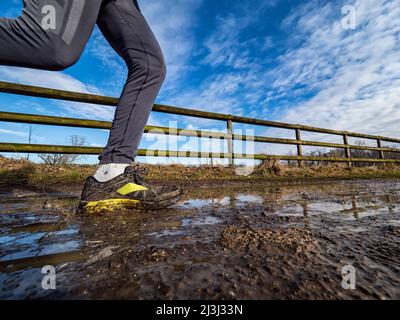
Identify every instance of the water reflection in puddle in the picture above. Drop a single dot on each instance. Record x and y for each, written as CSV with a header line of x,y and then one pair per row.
x,y
200,221
164,233
200,203
186,224
28,238
248,198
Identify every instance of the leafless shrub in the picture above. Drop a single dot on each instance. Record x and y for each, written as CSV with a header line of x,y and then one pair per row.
x,y
62,159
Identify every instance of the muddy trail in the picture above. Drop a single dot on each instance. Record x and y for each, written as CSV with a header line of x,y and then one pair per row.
x,y
227,242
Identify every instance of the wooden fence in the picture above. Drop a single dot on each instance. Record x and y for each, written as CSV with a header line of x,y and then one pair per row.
x,y
229,135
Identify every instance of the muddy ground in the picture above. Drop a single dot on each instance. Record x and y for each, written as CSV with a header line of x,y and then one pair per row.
x,y
236,241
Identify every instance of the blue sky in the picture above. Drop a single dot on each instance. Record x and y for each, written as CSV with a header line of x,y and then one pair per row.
x,y
282,60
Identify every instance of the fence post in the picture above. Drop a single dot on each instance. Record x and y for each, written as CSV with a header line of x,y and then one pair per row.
x,y
381,152
230,141
348,153
299,147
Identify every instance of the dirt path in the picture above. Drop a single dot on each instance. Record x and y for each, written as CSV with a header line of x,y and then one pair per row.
x,y
221,242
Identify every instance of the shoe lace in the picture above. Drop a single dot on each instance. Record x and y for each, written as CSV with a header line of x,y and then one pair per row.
x,y
140,173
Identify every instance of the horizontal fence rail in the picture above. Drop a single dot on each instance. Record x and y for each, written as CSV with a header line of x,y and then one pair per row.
x,y
229,136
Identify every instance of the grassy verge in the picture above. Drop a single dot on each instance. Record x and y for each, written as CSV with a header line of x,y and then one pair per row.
x,y
21,172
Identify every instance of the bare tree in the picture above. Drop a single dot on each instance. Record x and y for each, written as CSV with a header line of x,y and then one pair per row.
x,y
60,159
29,139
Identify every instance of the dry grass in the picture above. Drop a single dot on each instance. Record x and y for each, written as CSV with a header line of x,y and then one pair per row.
x,y
14,172
272,168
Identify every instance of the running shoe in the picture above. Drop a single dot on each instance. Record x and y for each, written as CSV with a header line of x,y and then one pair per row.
x,y
127,191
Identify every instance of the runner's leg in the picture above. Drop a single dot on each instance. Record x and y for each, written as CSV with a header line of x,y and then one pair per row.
x,y
129,34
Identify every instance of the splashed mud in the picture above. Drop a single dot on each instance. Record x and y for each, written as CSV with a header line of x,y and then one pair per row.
x,y
221,242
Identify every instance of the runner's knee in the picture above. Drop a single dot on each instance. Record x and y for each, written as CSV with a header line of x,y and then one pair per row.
x,y
163,70
158,71
151,66
160,67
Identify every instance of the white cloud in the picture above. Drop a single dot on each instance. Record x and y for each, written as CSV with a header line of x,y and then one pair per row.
x,y
14,133
21,134
50,79
356,73
62,81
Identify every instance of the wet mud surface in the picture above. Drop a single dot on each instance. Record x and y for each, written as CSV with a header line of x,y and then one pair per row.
x,y
221,242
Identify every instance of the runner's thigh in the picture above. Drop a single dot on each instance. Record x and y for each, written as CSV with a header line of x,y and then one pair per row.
x,y
49,34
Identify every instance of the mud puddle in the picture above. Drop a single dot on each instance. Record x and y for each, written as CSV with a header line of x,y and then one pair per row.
x,y
231,242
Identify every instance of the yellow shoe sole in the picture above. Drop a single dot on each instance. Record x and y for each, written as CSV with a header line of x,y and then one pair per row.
x,y
110,205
